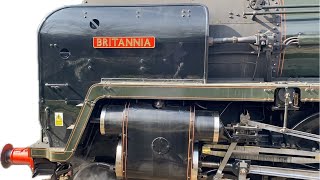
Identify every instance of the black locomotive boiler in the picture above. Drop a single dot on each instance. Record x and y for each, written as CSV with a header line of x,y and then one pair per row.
x,y
177,90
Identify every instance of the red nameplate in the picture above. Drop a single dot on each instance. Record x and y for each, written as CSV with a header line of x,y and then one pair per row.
x,y
124,42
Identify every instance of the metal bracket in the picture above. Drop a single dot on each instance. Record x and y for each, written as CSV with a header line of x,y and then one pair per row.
x,y
227,156
243,170
256,4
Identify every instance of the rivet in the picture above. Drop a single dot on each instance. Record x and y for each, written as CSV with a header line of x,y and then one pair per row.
x,y
142,68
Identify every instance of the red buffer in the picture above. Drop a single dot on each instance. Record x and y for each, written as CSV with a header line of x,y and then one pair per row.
x,y
16,156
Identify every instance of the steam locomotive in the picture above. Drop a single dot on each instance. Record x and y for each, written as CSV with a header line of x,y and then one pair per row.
x,y
177,90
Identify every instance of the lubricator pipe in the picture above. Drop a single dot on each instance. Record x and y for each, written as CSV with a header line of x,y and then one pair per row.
x,y
16,156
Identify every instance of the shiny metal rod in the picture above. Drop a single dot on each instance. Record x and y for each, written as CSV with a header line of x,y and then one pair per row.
x,y
284,172
292,6
280,12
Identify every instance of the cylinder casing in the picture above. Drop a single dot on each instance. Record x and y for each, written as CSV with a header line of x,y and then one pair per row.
x,y
157,139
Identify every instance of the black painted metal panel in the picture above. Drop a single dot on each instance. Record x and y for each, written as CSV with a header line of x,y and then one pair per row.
x,y
67,56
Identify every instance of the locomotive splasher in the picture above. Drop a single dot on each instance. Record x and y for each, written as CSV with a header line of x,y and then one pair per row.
x,y
177,90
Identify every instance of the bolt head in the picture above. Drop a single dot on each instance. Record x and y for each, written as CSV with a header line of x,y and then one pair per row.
x,y
243,171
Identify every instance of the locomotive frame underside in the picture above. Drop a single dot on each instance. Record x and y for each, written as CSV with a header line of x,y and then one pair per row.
x,y
221,92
